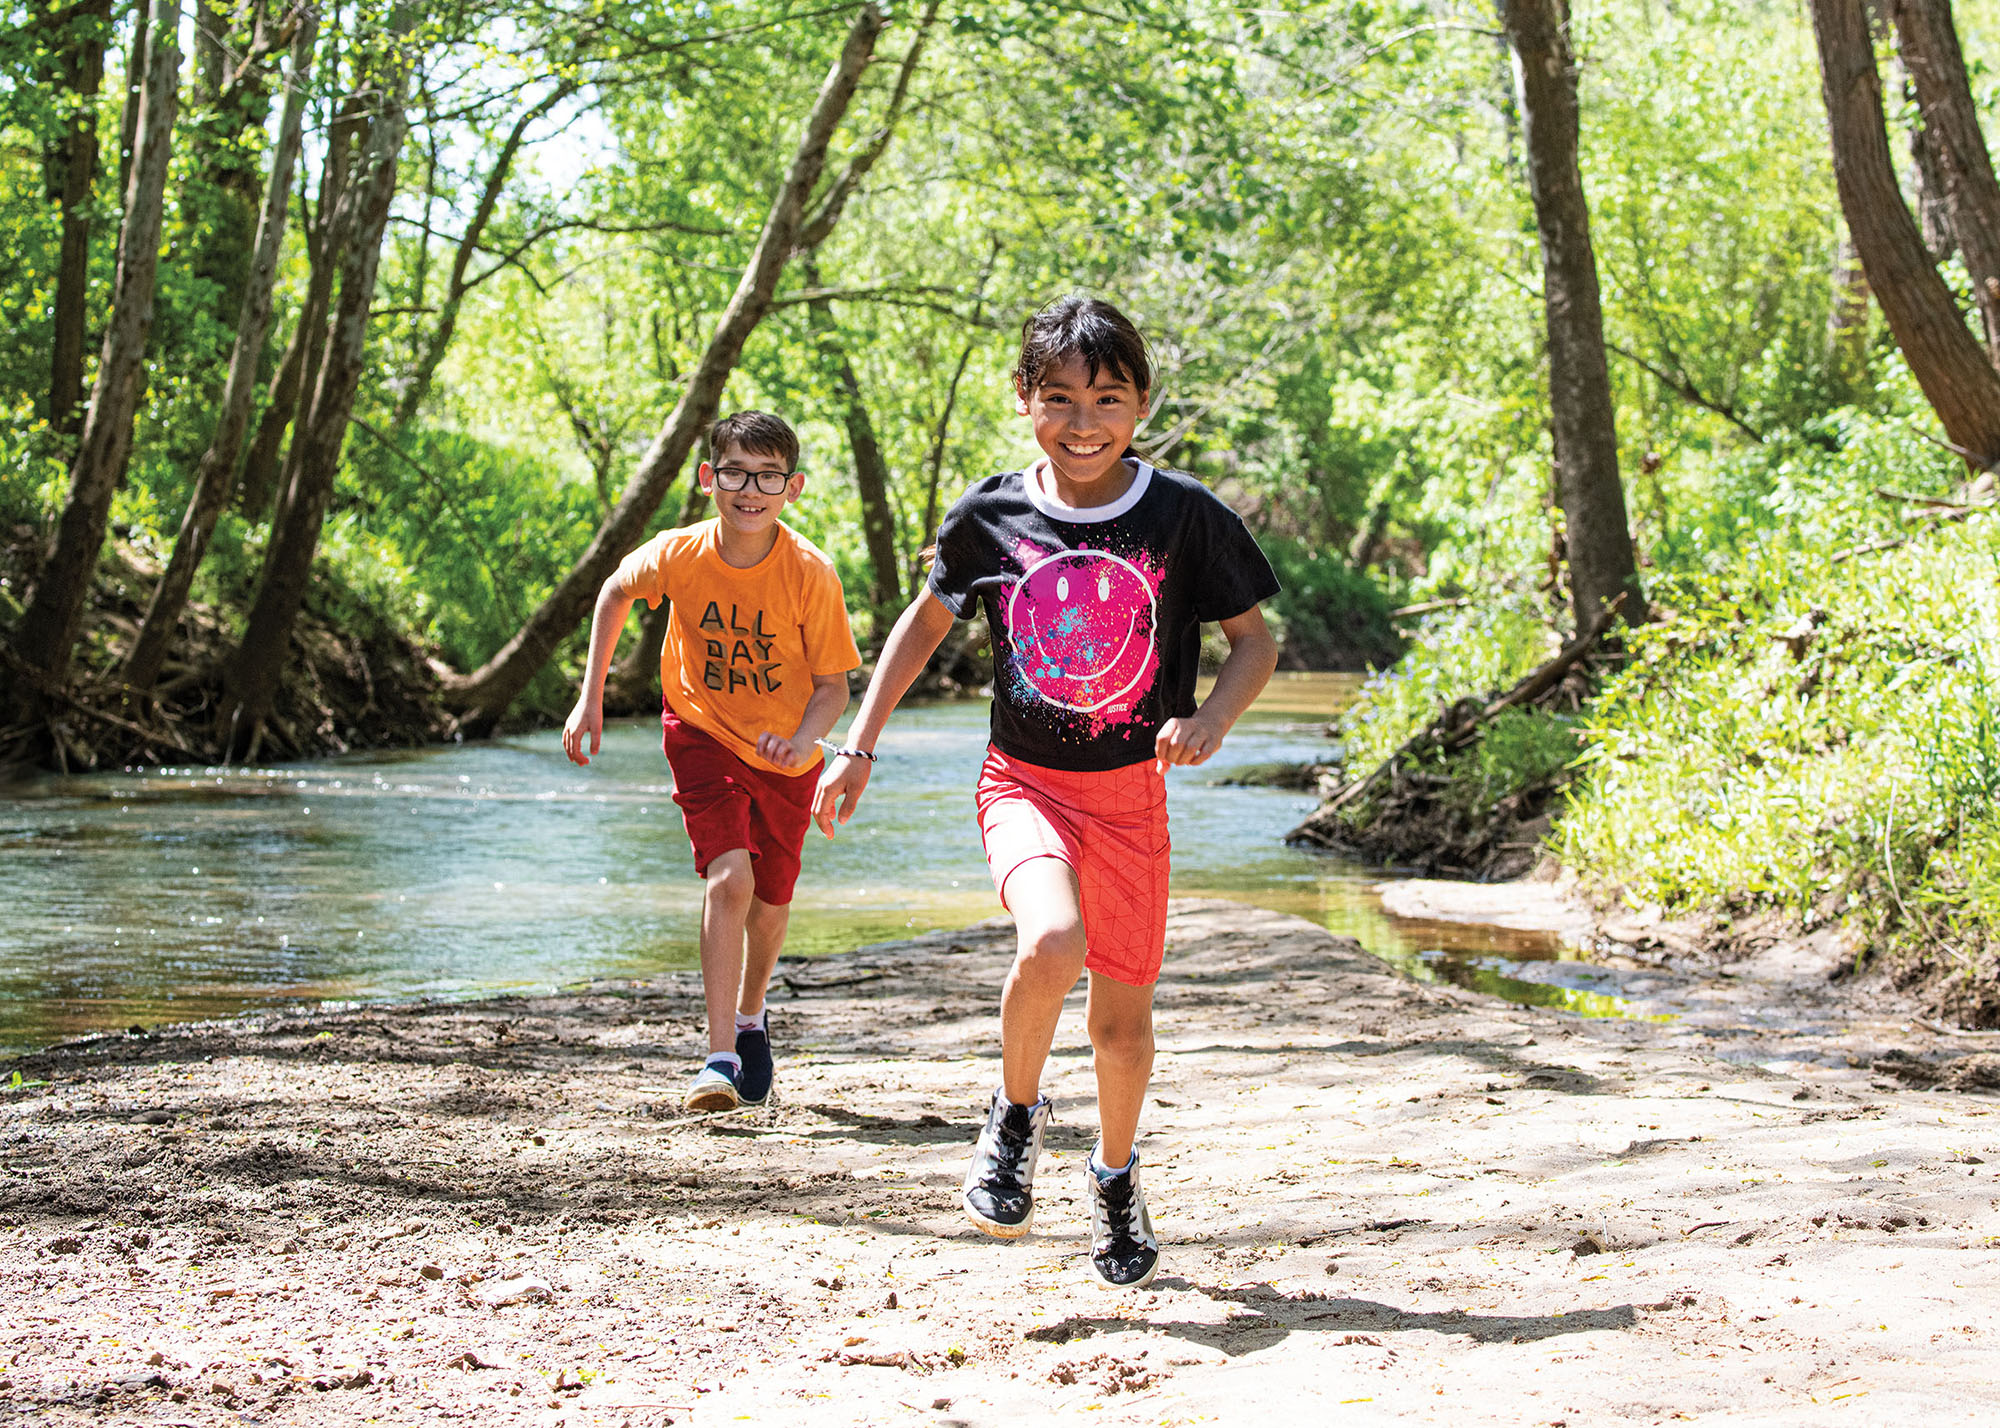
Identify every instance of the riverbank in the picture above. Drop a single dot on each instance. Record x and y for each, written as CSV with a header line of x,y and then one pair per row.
x,y
1410,1202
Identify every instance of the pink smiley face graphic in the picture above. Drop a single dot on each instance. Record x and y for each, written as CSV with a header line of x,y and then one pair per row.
x,y
1082,626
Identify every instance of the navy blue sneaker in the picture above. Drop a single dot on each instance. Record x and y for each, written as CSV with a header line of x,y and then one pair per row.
x,y
714,1089
753,1044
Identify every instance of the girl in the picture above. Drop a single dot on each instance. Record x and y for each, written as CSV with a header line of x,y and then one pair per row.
x,y
1096,572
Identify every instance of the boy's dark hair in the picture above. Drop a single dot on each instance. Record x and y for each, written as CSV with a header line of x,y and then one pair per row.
x,y
761,432
1086,327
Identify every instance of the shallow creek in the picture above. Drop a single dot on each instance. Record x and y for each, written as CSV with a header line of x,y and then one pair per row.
x,y
176,894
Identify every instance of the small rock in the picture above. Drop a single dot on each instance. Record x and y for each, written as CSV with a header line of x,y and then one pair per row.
x,y
155,1118
222,1388
688,1182
431,1271
525,1290
890,1302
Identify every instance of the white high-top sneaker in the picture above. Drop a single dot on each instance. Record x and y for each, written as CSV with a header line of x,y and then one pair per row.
x,y
1000,1186
1124,1251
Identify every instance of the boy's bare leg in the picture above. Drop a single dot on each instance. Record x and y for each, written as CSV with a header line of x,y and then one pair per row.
x,y
1121,1035
1048,921
725,910
764,939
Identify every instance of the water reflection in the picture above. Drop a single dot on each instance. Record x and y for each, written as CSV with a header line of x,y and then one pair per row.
x,y
176,894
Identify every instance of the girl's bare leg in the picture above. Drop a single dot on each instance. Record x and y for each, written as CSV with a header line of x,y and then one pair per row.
x,y
1121,1035
1048,920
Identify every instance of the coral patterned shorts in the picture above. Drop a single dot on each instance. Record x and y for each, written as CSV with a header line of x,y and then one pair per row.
x,y
1110,828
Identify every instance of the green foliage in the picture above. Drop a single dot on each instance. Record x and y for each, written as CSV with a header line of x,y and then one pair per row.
x,y
469,536
1460,654
1740,761
1332,614
1517,749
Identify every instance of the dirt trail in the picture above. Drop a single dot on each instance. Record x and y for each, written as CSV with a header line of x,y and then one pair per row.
x,y
1381,1202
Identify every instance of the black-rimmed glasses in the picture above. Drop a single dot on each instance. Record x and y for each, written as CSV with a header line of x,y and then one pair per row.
x,y
735,478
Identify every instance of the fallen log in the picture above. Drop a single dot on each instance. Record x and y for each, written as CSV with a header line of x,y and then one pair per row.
x,y
1452,730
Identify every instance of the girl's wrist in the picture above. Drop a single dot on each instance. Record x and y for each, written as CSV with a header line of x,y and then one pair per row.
x,y
840,751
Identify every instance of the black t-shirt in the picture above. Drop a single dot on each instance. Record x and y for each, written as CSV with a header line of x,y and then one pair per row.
x,y
1096,612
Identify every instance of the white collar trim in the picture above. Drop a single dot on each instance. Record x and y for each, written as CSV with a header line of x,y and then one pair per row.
x,y
1044,500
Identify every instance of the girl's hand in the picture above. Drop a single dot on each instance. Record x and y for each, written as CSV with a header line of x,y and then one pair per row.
x,y
841,783
1185,741
782,752
586,718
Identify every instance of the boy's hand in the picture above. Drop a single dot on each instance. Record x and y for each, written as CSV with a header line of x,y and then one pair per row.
x,y
1185,741
586,718
841,783
782,752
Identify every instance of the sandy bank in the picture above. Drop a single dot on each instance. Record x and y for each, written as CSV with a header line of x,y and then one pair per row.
x,y
1381,1203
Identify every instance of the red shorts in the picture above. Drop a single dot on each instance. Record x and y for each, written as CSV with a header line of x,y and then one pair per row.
x,y
1111,828
728,804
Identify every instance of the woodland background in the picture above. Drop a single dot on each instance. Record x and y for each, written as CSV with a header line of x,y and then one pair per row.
x,y
345,348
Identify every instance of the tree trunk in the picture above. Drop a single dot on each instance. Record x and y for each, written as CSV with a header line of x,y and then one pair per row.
x,y
1929,45
135,91
250,680
1947,361
48,628
434,350
483,696
222,183
871,469
217,471
291,384
1598,536
634,685
74,173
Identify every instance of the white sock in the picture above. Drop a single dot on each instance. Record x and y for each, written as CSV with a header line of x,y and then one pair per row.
x,y
1105,1172
728,1058
752,1021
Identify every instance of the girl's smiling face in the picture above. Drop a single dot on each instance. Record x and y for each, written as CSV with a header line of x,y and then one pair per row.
x,y
1083,424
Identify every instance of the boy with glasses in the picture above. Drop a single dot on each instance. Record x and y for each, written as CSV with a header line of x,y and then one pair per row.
x,y
753,674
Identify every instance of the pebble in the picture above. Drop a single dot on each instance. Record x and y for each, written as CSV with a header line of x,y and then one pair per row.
x,y
525,1290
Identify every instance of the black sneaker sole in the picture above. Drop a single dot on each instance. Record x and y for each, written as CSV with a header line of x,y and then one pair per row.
x,y
994,1227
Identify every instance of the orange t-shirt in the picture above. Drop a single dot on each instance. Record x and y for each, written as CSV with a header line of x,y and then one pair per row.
x,y
742,645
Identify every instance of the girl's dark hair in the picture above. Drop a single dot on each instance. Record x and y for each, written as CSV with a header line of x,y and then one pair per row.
x,y
1086,327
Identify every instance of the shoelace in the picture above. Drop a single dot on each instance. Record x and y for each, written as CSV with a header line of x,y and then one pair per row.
x,y
1013,1146
1118,1206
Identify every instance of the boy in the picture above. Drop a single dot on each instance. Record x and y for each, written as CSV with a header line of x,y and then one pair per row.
x,y
753,674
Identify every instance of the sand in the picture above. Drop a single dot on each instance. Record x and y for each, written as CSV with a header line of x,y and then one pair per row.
x,y
1380,1201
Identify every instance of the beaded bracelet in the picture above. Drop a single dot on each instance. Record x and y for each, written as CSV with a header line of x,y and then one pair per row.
x,y
838,752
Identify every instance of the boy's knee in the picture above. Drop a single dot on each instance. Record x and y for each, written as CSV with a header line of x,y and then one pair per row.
x,y
730,878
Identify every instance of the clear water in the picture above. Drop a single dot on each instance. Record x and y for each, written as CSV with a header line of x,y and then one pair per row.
x,y
176,894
